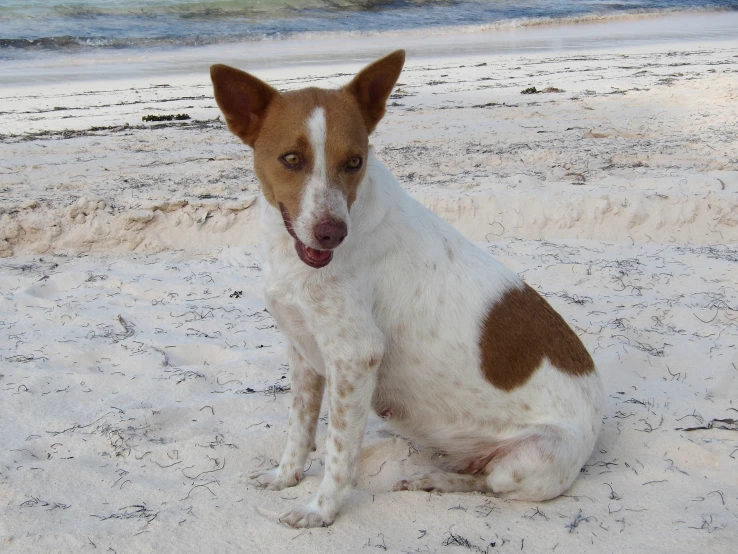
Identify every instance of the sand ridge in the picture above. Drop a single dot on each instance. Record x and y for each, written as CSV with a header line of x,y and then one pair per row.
x,y
638,145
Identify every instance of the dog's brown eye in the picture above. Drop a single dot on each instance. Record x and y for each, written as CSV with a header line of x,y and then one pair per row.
x,y
354,163
291,160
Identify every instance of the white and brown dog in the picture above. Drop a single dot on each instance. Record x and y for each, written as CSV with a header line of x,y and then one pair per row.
x,y
387,307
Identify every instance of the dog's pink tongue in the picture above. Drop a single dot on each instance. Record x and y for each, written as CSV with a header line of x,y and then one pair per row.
x,y
318,255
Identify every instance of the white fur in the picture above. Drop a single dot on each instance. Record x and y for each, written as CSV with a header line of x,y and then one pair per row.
x,y
407,289
320,201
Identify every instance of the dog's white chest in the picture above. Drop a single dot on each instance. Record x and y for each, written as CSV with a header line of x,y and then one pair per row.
x,y
289,316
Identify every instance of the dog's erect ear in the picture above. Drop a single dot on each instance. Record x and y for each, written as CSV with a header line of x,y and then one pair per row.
x,y
243,99
373,85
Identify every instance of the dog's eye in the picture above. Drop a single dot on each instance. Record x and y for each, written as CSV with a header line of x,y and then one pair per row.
x,y
291,160
354,163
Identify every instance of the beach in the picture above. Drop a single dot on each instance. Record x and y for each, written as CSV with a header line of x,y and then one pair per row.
x,y
142,379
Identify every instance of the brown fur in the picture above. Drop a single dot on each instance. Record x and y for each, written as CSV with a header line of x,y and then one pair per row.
x,y
338,422
279,135
519,332
373,84
242,98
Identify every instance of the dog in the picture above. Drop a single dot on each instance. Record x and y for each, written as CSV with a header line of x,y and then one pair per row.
x,y
387,307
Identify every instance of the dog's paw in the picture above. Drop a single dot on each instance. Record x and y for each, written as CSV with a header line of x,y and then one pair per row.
x,y
422,482
441,481
305,516
275,479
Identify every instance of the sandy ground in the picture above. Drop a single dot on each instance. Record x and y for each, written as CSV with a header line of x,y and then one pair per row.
x,y
141,378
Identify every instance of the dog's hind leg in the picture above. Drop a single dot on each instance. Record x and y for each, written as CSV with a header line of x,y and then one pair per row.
x,y
307,396
537,466
442,481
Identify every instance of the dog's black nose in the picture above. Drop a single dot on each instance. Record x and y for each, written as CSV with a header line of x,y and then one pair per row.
x,y
330,233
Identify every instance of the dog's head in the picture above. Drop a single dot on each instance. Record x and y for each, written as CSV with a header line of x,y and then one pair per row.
x,y
310,146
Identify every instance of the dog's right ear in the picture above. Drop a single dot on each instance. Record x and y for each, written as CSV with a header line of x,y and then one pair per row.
x,y
373,85
243,99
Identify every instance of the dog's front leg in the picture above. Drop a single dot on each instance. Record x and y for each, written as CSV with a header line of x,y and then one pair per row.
x,y
352,351
307,395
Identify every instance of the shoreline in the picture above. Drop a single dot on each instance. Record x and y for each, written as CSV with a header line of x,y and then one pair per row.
x,y
626,32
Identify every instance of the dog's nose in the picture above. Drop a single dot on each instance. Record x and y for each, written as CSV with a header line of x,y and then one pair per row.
x,y
330,233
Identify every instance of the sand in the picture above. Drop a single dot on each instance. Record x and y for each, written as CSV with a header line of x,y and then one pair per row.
x,y
141,378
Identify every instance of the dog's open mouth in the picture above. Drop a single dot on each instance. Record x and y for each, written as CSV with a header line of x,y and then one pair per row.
x,y
311,256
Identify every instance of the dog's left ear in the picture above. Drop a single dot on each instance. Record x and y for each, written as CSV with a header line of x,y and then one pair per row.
x,y
373,85
243,99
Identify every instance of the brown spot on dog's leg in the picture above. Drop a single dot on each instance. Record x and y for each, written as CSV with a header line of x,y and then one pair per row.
x,y
338,422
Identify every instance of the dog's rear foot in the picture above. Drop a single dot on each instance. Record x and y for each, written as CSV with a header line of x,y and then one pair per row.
x,y
440,481
275,479
306,516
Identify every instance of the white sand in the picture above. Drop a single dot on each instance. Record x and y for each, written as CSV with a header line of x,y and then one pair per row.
x,y
137,389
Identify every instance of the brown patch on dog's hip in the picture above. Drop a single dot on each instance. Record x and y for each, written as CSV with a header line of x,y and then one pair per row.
x,y
520,331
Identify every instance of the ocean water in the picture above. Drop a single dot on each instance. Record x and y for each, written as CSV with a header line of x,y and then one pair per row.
x,y
28,26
